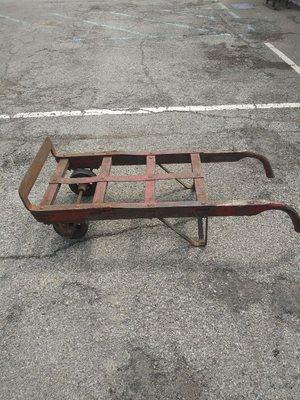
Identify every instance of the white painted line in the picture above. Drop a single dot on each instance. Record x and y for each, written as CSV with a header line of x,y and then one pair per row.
x,y
115,28
47,114
13,19
156,21
283,57
60,15
19,21
149,110
278,105
205,16
94,23
188,14
234,15
121,14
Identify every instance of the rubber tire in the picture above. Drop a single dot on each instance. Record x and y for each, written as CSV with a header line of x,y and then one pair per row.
x,y
83,173
71,230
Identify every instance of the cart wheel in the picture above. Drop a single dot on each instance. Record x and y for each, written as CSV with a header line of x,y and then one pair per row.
x,y
83,173
71,230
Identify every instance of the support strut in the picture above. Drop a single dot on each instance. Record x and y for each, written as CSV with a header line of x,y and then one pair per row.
x,y
202,232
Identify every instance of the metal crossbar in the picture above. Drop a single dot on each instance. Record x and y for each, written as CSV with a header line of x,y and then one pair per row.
x,y
150,184
101,186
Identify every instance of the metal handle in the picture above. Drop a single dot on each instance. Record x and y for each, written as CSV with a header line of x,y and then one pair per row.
x,y
231,156
33,171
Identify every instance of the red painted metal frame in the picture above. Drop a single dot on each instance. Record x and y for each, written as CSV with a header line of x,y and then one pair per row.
x,y
49,212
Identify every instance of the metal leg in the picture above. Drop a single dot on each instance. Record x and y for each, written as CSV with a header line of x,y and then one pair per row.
x,y
178,180
202,232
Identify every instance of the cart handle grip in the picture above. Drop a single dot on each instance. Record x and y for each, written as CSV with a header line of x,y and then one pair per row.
x,y
33,171
227,156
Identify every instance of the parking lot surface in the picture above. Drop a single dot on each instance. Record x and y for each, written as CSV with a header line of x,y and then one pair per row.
x,y
131,311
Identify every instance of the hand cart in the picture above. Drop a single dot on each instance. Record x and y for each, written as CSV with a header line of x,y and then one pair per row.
x,y
71,220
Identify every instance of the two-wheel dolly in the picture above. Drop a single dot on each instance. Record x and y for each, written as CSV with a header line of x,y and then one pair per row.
x,y
71,220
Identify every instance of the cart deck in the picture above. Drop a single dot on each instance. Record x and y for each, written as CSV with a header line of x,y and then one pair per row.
x,y
69,220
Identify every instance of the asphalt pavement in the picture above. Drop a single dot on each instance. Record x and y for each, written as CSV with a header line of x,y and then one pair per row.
x,y
131,311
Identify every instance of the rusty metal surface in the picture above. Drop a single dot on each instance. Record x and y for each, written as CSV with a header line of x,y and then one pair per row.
x,y
126,178
232,156
150,183
102,186
199,180
98,209
34,170
110,211
52,190
94,159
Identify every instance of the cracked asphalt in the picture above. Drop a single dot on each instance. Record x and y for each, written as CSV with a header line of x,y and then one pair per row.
x,y
131,311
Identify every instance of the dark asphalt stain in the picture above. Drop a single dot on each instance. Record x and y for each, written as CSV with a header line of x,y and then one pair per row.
x,y
222,57
80,292
276,352
12,318
147,376
285,298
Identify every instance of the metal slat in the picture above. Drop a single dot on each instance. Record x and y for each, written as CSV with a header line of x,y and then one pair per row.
x,y
199,182
101,187
150,185
126,178
53,188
